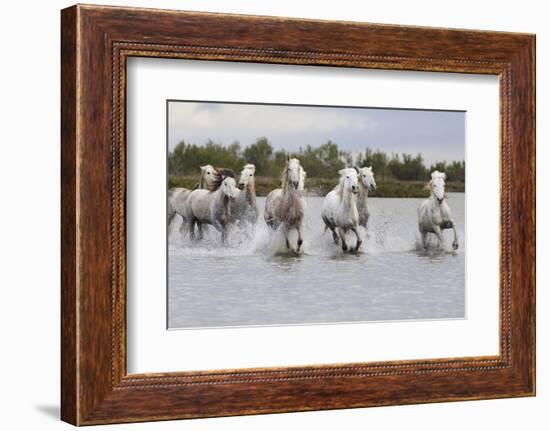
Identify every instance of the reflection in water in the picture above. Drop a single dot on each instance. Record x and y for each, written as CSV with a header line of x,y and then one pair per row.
x,y
255,281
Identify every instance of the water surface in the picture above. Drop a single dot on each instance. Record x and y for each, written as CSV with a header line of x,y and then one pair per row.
x,y
253,281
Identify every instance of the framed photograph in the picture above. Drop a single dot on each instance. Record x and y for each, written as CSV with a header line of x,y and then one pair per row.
x,y
265,214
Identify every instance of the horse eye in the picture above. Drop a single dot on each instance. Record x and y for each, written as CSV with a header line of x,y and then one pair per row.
x,y
347,177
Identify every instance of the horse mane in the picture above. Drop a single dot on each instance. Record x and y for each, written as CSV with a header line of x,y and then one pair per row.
x,y
284,177
219,175
339,188
224,172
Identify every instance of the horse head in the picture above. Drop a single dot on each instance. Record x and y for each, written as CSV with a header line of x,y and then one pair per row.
x,y
349,180
247,175
210,178
437,184
366,178
229,187
291,174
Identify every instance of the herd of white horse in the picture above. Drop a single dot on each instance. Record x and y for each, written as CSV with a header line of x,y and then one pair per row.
x,y
218,200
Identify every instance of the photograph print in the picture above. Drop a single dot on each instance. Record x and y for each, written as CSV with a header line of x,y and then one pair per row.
x,y
304,214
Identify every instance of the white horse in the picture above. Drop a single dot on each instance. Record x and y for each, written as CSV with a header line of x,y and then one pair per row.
x,y
366,184
285,207
245,208
211,207
434,215
275,193
210,179
340,208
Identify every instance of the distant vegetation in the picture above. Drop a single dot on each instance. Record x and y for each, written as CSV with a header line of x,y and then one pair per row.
x,y
397,175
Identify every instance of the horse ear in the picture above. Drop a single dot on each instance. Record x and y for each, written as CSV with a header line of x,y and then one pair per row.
x,y
356,169
444,175
288,157
370,168
341,171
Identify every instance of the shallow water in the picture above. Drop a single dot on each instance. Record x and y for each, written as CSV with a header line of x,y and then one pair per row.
x,y
253,281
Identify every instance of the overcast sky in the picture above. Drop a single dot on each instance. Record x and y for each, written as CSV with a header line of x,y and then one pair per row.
x,y
438,135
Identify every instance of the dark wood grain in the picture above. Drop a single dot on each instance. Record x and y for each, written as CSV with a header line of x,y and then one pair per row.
x,y
69,397
96,41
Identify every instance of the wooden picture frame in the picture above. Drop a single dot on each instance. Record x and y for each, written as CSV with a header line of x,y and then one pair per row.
x,y
95,43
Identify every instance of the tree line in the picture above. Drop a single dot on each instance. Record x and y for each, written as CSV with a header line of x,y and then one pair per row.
x,y
323,161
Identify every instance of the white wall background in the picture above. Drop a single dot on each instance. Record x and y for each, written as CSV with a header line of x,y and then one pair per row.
x,y
29,214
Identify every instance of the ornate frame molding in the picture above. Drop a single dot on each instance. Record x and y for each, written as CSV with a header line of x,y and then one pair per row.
x,y
96,41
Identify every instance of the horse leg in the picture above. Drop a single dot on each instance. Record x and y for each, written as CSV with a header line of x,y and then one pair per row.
x,y
367,234
354,230
169,223
191,224
455,241
285,233
300,240
199,228
184,226
342,234
329,225
332,228
437,231
424,235
224,235
335,236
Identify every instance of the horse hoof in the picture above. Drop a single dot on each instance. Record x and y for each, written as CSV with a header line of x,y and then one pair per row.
x,y
455,245
358,245
344,247
300,242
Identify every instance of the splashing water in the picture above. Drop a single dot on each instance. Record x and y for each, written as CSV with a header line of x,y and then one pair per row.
x,y
255,280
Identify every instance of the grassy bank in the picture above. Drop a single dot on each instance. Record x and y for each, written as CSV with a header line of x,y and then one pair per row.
x,y
387,188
